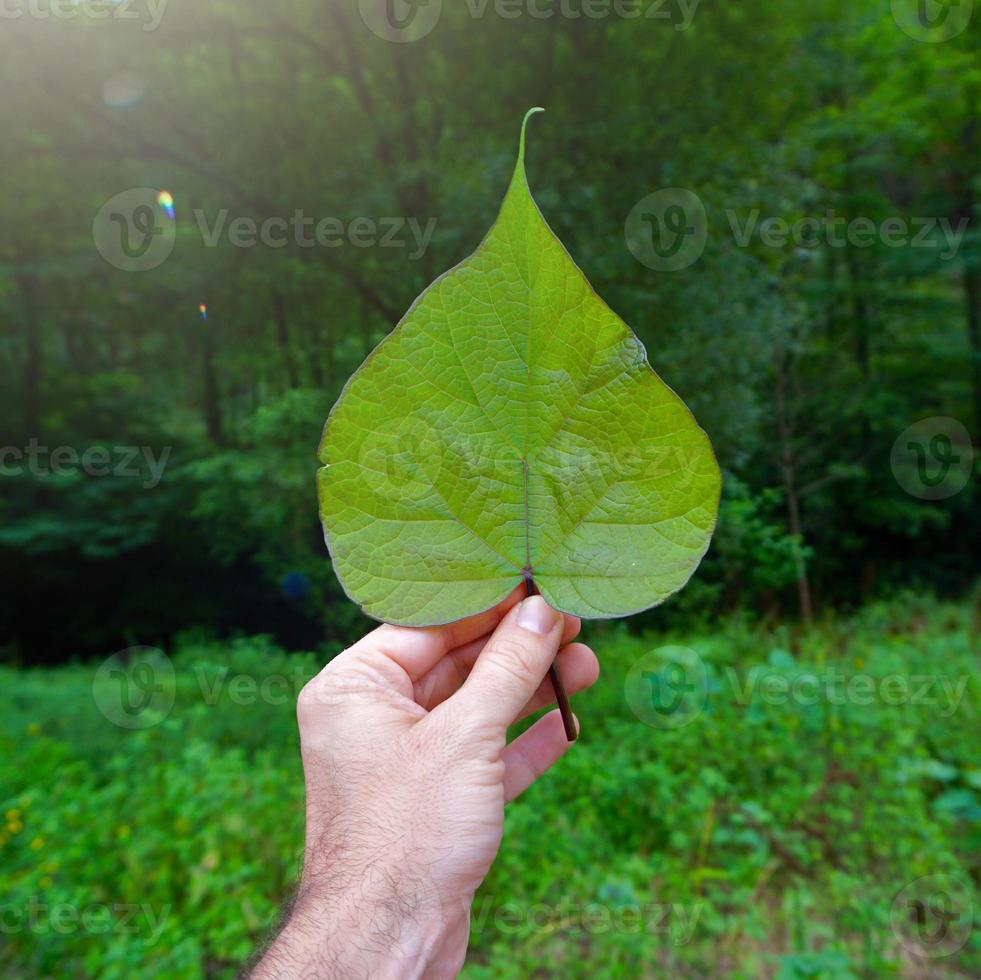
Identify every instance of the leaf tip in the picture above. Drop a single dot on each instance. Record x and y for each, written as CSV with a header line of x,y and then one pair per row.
x,y
524,127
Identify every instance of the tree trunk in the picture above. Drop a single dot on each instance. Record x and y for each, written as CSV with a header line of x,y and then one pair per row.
x,y
788,471
793,522
972,289
209,377
34,359
283,337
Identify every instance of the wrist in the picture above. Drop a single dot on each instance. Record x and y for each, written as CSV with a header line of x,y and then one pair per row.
x,y
375,926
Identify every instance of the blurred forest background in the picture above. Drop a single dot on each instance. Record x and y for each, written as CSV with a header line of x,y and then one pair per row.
x,y
166,369
804,364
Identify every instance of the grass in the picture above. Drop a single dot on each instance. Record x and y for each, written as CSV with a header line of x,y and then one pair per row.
x,y
762,827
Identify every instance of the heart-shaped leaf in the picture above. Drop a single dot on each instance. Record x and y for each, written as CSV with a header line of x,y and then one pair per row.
x,y
511,428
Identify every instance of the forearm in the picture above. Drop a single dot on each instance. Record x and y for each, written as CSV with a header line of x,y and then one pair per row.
x,y
363,931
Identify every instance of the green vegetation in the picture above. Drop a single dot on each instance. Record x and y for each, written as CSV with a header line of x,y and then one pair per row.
x,y
804,354
778,831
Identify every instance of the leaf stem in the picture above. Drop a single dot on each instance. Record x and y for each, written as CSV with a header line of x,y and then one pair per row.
x,y
561,698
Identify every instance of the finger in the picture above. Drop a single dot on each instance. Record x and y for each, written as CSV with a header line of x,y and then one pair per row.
x,y
532,753
510,667
416,650
447,677
578,668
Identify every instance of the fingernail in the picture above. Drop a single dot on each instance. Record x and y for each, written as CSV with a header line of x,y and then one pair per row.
x,y
537,616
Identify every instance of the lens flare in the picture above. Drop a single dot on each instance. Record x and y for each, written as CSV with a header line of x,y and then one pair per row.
x,y
166,201
123,91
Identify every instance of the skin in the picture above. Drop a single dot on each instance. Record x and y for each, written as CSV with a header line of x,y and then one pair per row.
x,y
408,770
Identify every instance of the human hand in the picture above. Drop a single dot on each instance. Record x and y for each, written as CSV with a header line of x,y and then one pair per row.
x,y
403,738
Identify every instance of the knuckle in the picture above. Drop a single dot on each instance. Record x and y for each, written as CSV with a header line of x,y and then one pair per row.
x,y
308,699
340,685
324,691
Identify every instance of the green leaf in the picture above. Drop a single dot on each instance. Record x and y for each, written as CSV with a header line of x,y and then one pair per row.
x,y
511,427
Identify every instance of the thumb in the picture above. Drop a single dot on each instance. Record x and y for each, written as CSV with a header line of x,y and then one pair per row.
x,y
511,666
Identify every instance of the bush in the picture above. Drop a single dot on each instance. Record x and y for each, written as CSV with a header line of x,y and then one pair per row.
x,y
766,837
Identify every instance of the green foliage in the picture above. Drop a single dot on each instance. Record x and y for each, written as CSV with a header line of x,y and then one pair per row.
x,y
803,363
754,551
511,427
766,837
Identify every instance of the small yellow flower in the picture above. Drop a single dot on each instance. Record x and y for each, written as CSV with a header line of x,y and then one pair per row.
x,y
46,882
14,827
51,866
37,843
33,728
12,814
